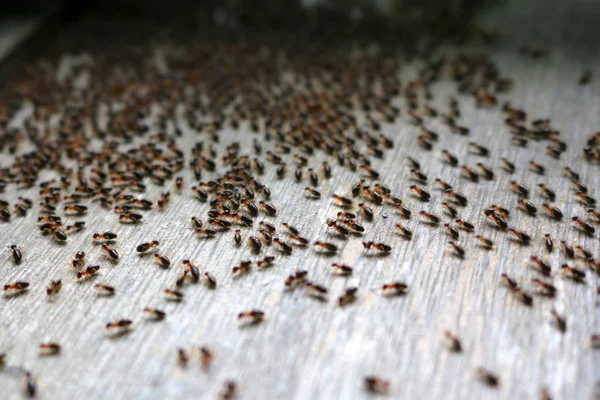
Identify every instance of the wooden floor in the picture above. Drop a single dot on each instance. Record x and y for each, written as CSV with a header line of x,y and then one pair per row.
x,y
308,349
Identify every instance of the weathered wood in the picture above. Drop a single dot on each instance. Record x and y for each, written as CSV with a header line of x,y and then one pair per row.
x,y
308,349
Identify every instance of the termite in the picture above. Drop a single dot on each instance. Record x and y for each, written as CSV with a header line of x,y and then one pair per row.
x,y
144,247
376,385
569,252
50,348
486,172
521,190
88,272
348,297
458,250
111,252
315,289
120,324
106,236
105,289
452,231
547,288
487,377
252,316
162,260
469,173
450,158
174,295
381,247
507,165
584,226
328,247
528,206
467,226
431,218
553,211
394,288
54,287
542,265
573,272
228,391
421,193
445,186
559,321
452,342
450,209
487,243
521,236
546,191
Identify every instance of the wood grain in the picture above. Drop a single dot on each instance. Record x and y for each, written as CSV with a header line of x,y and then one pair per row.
x,y
307,349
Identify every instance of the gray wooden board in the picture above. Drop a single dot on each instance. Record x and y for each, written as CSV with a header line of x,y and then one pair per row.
x,y
308,349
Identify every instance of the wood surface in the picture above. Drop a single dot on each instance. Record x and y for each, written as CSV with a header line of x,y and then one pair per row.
x,y
307,349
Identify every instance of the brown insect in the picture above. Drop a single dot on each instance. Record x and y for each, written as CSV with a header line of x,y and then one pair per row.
x,y
144,247
54,287
421,193
105,289
450,209
569,252
467,226
348,297
548,242
507,165
542,265
553,211
130,218
162,260
487,377
528,206
50,348
293,280
584,226
404,211
486,171
228,391
332,223
445,186
450,158
210,280
16,287
522,237
315,289
206,357
252,316
328,247
431,218
573,272
242,268
111,252
255,244
457,249
381,247
559,321
206,232
291,229
76,209
418,175
156,313
376,385
487,243
394,289
469,173
452,231
88,272
452,342
17,253
30,385
58,234
106,236
586,199
521,190
120,324
342,269
182,357
548,289
547,192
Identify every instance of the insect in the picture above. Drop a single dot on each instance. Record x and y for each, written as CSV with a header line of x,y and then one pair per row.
x,y
291,229
487,377
404,211
487,243
144,247
559,321
228,391
418,175
182,357
586,199
547,192
497,219
547,288
376,385
366,210
206,357
206,232
327,247
553,211
242,268
120,324
381,247
106,236
573,272
130,218
528,206
406,232
548,242
210,280
445,186
450,158
162,260
337,226
54,287
457,249
58,234
111,252
252,316
76,209
17,253
30,385
164,199
348,297
315,289
457,198
452,231
342,269
508,166
486,172
452,342
450,209
542,265
521,190
88,272
50,348
394,289
16,287
174,295
569,252
469,173
105,289
296,278
585,254
584,226
467,226
421,193
431,218
522,237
